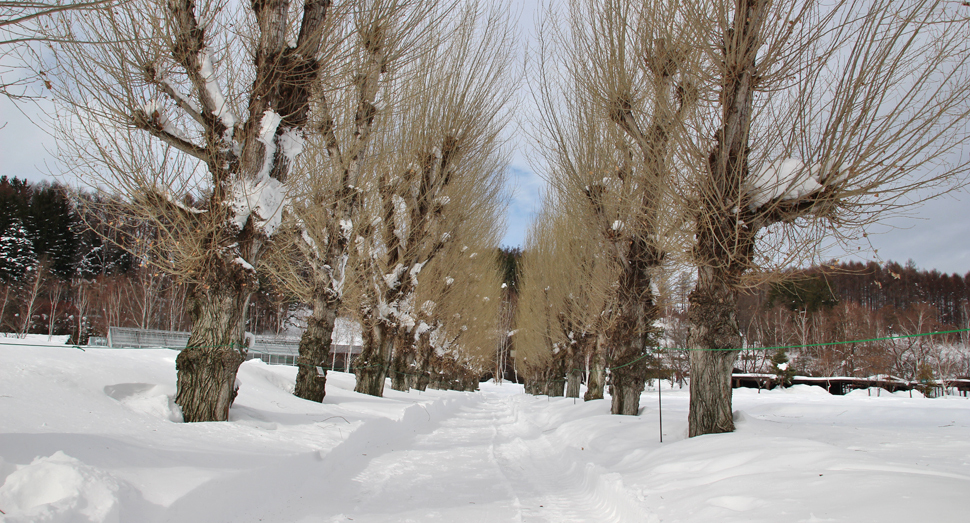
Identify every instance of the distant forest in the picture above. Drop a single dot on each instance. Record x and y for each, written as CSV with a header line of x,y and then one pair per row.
x,y
801,322
68,267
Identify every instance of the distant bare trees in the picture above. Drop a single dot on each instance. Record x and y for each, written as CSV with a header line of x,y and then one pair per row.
x,y
566,296
826,321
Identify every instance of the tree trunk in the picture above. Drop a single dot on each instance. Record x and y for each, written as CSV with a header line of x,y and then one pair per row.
x,y
713,341
400,364
574,374
422,381
437,381
374,360
528,385
422,361
315,345
573,380
633,327
725,240
556,383
597,371
625,389
628,375
206,384
468,381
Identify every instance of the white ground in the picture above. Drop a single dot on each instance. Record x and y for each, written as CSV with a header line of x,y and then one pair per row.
x,y
94,436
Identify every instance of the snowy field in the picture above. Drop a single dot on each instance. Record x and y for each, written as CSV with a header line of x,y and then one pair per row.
x,y
94,436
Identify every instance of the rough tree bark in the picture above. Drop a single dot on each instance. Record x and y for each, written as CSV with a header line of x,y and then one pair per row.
x,y
713,340
633,328
315,345
423,357
206,383
556,382
374,360
401,365
574,372
597,370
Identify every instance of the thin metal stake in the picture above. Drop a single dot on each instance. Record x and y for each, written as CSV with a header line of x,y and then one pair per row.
x,y
660,408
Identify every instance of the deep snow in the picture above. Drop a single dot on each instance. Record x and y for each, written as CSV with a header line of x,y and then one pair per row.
x,y
94,436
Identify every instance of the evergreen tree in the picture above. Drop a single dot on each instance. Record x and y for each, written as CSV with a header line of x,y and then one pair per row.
x,y
508,259
53,226
17,254
14,195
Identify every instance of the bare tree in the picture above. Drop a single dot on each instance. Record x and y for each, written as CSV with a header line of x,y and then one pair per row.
x,y
55,293
623,97
7,288
460,313
565,302
817,120
441,166
194,114
533,346
775,125
81,301
361,95
36,278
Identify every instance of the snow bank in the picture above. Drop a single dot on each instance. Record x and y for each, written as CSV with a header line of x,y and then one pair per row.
x,y
146,398
58,488
94,434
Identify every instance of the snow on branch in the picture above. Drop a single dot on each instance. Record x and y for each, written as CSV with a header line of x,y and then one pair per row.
x,y
153,109
263,200
218,101
187,105
291,144
263,196
784,180
151,118
400,218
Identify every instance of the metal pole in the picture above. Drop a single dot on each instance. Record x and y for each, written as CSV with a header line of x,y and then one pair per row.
x,y
660,408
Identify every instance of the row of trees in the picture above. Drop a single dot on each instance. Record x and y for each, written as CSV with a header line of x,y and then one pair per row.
x,y
733,137
347,152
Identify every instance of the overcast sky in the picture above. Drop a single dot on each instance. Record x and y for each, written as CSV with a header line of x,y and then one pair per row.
x,y
937,237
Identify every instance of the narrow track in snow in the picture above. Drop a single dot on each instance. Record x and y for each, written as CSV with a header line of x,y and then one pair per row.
x,y
485,463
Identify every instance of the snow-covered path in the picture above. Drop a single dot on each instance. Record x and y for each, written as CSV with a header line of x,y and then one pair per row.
x,y
450,474
486,463
477,459
94,436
